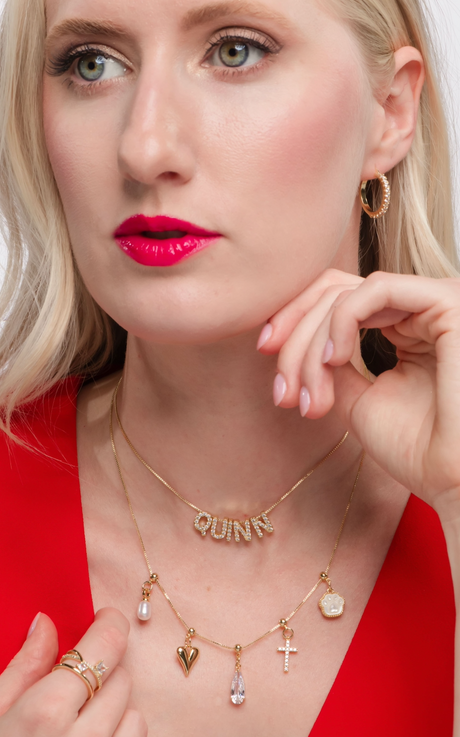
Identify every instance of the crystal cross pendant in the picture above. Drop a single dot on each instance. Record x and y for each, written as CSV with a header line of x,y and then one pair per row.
x,y
288,634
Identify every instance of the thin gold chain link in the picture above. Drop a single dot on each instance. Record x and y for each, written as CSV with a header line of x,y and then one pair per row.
x,y
165,594
193,506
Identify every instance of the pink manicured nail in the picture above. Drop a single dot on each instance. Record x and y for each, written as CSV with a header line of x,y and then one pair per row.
x,y
304,401
328,351
265,335
279,389
33,625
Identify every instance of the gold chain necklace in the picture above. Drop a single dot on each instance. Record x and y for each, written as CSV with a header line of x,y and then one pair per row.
x,y
331,604
259,522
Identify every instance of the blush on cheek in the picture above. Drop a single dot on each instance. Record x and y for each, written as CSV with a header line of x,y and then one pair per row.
x,y
82,151
316,141
300,152
67,152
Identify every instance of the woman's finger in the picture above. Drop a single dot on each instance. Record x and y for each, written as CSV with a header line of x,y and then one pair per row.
x,y
133,724
33,661
435,304
382,293
282,324
292,353
57,698
385,317
107,708
106,640
317,378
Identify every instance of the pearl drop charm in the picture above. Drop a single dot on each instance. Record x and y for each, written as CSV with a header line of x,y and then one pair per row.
x,y
144,611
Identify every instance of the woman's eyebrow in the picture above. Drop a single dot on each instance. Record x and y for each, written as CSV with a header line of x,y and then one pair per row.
x,y
208,13
194,17
82,27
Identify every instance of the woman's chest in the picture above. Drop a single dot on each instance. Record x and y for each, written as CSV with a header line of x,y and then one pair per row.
x,y
286,682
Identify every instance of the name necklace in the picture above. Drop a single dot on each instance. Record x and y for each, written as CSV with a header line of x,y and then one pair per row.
x,y
205,521
331,603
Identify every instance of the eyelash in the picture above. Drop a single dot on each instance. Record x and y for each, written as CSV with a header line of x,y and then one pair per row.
x,y
61,63
58,65
251,37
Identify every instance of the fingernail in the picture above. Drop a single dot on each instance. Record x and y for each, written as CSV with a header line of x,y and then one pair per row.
x,y
304,401
328,351
265,335
279,389
33,625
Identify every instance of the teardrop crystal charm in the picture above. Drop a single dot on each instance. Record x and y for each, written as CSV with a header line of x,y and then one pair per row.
x,y
238,692
144,611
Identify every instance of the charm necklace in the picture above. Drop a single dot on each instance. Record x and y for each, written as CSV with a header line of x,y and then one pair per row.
x,y
331,604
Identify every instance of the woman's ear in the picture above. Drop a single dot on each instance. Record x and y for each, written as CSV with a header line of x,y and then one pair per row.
x,y
396,115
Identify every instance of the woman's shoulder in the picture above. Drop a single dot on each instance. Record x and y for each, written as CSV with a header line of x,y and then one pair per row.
x,y
42,545
44,428
46,443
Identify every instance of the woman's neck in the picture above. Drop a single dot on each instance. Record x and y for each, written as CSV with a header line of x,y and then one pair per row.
x,y
204,418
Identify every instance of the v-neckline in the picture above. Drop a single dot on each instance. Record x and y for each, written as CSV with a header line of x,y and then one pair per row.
x,y
397,675
391,584
355,642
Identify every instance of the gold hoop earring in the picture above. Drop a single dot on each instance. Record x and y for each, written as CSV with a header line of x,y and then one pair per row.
x,y
386,198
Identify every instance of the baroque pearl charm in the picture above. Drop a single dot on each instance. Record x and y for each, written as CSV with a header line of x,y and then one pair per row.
x,y
332,605
144,610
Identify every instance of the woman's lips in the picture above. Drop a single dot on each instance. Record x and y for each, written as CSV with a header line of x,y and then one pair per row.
x,y
162,240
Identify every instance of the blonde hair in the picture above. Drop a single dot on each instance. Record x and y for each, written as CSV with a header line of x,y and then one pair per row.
x,y
51,325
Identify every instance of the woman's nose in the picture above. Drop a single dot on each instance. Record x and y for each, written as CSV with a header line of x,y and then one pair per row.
x,y
156,139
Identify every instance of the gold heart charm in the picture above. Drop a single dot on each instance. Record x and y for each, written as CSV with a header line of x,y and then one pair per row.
x,y
187,657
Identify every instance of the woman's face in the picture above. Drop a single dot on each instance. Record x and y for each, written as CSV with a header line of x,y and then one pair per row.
x,y
249,120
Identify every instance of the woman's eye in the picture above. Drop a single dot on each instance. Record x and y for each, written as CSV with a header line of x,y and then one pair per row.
x,y
237,53
95,67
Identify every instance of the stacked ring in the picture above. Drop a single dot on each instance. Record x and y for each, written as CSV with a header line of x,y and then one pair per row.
x,y
80,670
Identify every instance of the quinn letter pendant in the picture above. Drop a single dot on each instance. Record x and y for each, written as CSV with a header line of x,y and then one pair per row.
x,y
229,528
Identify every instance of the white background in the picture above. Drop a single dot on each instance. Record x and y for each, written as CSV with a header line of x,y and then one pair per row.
x,y
444,23
446,17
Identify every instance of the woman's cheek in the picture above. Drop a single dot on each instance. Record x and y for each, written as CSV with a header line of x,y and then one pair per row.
x,y
80,139
288,164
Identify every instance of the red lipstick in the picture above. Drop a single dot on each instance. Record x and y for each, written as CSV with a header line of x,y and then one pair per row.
x,y
162,240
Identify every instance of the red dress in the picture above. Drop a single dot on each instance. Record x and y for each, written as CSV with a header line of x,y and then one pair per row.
x,y
397,677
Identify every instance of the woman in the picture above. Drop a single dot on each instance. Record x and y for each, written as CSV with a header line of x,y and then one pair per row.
x,y
188,175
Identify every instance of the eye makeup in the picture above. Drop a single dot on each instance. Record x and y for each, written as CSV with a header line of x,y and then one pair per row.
x,y
234,51
60,62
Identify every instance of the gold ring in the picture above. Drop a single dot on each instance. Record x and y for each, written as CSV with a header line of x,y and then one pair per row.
x,y
75,670
82,667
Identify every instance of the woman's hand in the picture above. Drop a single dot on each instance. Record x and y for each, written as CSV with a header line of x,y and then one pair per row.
x,y
408,419
37,703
